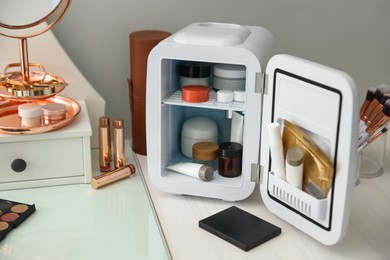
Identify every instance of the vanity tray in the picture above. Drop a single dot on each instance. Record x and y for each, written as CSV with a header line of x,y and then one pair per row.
x,y
10,122
39,84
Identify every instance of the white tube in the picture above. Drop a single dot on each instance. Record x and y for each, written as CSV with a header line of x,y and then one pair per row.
x,y
294,167
237,128
196,170
276,147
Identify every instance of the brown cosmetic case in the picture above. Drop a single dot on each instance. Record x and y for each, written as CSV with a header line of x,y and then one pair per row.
x,y
141,43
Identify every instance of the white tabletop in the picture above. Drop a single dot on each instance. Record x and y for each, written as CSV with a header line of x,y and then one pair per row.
x,y
117,222
78,222
368,235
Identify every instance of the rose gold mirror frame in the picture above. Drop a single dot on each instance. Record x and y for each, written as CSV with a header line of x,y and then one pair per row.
x,y
59,10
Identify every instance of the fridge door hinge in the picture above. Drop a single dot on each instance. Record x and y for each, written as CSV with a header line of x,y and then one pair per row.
x,y
261,83
256,172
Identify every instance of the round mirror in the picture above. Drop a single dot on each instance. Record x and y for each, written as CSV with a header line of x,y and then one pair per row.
x,y
23,19
28,18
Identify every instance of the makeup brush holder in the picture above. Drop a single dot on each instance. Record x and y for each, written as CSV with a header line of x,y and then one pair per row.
x,y
318,99
372,158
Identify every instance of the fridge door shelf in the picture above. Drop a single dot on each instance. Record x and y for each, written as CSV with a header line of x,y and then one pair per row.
x,y
296,198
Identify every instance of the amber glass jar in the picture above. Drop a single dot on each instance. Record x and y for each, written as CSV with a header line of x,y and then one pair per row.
x,y
230,159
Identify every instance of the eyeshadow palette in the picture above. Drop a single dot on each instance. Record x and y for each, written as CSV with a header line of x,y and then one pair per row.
x,y
12,214
240,228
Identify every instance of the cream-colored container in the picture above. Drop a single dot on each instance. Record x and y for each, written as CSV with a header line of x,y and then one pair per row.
x,y
30,115
229,77
195,130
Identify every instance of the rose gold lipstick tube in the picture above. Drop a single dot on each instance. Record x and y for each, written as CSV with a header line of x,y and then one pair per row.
x,y
119,143
104,144
112,176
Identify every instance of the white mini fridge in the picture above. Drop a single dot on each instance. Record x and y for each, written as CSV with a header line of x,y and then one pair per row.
x,y
322,101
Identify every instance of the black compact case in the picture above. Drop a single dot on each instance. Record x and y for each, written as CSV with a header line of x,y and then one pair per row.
x,y
240,228
12,214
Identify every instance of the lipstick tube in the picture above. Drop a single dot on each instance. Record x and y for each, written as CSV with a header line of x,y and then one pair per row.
x,y
112,176
104,144
119,143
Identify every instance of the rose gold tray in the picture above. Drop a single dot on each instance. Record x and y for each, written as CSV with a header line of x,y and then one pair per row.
x,y
41,84
10,120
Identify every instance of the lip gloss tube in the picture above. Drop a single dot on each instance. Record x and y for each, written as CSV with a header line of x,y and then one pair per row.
x,y
119,143
112,176
104,144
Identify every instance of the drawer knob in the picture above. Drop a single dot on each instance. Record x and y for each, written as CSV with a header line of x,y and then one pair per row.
x,y
18,165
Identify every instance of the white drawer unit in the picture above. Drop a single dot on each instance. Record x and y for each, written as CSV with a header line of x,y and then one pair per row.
x,y
59,157
322,101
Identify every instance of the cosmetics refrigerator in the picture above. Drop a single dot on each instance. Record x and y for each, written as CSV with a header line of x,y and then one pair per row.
x,y
320,100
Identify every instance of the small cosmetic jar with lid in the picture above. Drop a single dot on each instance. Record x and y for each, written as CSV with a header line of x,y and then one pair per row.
x,y
30,114
194,73
229,77
224,96
195,93
195,130
239,95
230,159
206,153
53,112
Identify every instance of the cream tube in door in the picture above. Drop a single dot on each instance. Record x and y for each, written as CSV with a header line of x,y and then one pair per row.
x,y
276,148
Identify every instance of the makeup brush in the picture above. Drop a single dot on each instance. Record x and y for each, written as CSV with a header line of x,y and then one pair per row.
x,y
377,122
379,92
373,138
379,119
377,110
365,137
370,95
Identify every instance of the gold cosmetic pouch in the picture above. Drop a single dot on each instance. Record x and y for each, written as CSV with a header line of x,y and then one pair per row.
x,y
317,168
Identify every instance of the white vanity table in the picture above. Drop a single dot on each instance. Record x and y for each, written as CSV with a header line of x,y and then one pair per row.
x,y
118,222
368,234
79,222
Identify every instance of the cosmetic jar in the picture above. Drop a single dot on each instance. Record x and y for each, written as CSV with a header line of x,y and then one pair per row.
x,y
195,93
230,159
206,153
239,95
53,112
194,73
30,114
195,130
224,96
229,77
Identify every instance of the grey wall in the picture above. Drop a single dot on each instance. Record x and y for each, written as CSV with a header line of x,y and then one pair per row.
x,y
350,35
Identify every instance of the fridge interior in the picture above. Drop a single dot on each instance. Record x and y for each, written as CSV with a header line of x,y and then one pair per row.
x,y
174,112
